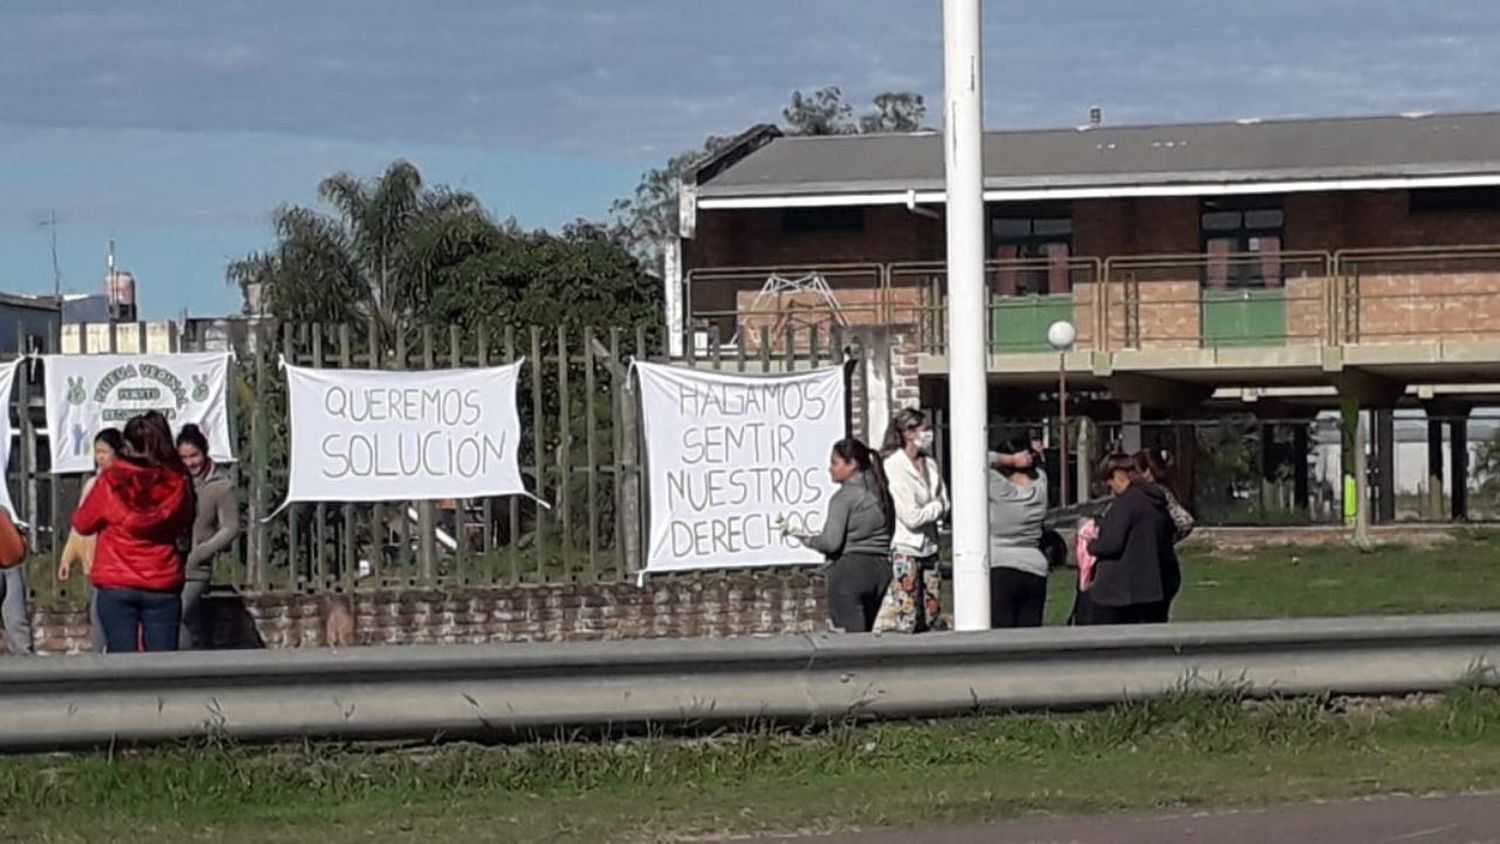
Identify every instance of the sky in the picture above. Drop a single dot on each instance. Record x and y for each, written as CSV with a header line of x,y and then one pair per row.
x,y
176,128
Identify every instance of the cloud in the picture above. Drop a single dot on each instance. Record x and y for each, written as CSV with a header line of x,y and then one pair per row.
x,y
597,78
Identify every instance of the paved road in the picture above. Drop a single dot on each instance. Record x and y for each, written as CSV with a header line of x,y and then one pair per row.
x,y
1430,820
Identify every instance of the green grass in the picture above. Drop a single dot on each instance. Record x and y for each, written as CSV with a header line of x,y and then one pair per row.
x,y
1179,752
1288,582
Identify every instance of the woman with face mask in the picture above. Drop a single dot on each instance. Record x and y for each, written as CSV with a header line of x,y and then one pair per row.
x,y
856,537
913,602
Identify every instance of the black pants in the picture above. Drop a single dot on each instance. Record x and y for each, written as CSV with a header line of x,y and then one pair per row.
x,y
1152,613
856,584
1017,598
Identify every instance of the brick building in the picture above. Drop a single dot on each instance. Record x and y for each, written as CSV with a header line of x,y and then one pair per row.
x,y
1282,267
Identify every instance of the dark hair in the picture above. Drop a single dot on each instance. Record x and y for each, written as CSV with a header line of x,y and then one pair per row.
x,y
192,435
110,437
1152,461
905,419
853,450
1116,462
148,442
1017,445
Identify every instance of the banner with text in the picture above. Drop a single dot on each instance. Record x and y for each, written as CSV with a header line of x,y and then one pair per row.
x,y
729,456
366,435
86,393
7,381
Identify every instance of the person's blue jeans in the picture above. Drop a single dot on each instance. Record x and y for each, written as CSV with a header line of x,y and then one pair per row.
x,y
134,616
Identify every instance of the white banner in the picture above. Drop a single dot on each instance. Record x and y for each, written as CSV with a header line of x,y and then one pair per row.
x,y
366,435
7,382
86,393
729,455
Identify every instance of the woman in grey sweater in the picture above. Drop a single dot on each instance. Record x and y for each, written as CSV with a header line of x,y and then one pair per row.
x,y
1018,507
856,537
216,522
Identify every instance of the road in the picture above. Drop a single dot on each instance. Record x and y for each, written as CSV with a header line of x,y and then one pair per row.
x,y
1429,820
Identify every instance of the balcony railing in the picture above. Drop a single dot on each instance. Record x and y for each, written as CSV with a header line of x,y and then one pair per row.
x,y
1124,302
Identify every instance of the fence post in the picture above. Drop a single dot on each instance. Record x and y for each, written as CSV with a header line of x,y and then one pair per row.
x,y
426,523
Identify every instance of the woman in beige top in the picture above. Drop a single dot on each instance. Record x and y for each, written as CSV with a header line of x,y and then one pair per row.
x,y
79,550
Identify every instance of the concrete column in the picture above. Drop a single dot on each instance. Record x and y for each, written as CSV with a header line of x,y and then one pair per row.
x,y
1355,494
1385,465
1300,483
1458,456
1268,466
1085,458
1130,426
1435,506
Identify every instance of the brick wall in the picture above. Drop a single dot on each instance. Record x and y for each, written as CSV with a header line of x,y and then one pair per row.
x,y
1396,301
707,605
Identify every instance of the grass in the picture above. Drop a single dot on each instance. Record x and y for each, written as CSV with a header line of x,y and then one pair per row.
x,y
1178,752
1288,582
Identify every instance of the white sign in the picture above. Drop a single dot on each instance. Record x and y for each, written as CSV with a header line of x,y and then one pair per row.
x,y
86,393
7,381
729,456
367,435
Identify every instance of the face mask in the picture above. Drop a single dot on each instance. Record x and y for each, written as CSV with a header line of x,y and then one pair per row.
x,y
924,441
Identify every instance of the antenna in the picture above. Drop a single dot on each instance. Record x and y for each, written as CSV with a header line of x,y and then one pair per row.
x,y
109,282
51,224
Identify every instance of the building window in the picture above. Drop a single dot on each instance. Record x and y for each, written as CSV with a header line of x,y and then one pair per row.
x,y
835,220
1243,242
1454,200
1032,246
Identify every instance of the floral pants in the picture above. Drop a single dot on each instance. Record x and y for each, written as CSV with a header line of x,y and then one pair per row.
x,y
913,603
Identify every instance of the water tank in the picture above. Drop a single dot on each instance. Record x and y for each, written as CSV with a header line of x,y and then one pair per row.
x,y
119,289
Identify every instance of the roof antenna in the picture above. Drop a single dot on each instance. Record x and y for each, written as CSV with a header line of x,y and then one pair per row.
x,y
1096,115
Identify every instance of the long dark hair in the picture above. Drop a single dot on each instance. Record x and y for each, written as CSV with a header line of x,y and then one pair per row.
x,y
148,442
853,450
1017,445
906,419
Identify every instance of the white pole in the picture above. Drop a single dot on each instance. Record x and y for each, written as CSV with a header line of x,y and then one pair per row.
x,y
968,353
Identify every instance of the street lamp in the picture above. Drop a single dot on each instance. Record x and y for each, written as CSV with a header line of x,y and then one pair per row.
x,y
1060,336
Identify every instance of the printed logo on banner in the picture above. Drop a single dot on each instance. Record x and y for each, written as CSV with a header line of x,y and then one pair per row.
x,y
729,456
86,393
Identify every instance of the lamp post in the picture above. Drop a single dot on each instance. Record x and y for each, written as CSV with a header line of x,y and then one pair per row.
x,y
1060,336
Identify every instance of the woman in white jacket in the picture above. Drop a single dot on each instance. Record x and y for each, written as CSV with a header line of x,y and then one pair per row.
x,y
913,602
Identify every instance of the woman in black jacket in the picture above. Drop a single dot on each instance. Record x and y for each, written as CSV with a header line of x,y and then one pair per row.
x,y
1133,549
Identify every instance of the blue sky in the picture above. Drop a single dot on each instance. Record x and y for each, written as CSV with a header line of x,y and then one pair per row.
x,y
177,127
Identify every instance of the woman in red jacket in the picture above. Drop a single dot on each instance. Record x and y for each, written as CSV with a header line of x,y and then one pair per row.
x,y
141,509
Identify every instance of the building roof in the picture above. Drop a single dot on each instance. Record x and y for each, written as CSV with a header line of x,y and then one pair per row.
x,y
1245,156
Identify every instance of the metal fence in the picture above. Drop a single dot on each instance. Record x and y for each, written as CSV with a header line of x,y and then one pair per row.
x,y
580,452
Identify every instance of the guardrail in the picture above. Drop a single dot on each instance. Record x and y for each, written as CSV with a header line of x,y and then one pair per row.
x,y
495,692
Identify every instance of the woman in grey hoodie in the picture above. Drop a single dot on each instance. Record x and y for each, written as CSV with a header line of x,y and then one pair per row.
x,y
216,522
1018,507
856,537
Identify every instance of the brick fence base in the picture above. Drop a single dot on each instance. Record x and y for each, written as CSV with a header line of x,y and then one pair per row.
x,y
688,606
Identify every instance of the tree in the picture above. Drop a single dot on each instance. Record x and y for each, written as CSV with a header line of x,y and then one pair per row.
x,y
894,112
647,219
823,112
375,259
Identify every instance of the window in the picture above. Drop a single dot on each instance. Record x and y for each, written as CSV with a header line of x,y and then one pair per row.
x,y
1453,200
1033,244
1242,239
822,220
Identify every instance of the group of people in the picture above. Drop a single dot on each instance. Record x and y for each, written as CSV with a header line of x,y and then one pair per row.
x,y
148,526
880,536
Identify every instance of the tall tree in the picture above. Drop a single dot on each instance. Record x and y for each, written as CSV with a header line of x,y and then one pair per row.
x,y
647,219
823,112
894,112
374,259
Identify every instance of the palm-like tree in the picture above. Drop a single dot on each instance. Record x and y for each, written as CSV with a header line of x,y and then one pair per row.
x,y
374,260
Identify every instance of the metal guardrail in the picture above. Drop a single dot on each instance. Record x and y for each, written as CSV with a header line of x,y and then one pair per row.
x,y
496,692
